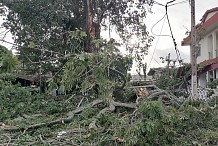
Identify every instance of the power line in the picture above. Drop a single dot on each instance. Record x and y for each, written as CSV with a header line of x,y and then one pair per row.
x,y
155,2
185,1
166,15
174,42
154,59
171,32
157,40
156,24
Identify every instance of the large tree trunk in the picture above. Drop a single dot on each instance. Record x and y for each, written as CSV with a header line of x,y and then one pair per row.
x,y
93,28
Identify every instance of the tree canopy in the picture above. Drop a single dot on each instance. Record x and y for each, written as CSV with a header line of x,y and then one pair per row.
x,y
41,28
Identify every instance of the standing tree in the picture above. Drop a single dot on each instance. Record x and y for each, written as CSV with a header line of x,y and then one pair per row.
x,y
46,30
41,27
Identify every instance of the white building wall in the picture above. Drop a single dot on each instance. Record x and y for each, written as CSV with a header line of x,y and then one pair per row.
x,y
214,44
204,51
208,44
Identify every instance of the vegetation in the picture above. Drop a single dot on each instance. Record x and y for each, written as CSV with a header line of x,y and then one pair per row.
x,y
96,104
213,84
8,62
153,125
42,28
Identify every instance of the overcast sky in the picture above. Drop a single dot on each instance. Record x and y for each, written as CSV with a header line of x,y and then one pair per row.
x,y
180,20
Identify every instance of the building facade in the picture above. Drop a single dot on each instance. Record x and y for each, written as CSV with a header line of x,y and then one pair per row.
x,y
207,47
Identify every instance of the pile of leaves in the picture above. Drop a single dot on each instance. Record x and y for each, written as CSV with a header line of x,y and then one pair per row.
x,y
194,123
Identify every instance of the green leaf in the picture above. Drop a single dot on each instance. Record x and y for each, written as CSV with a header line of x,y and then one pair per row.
x,y
32,45
83,34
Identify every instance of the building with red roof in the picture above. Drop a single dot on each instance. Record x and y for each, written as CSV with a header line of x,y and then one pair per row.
x,y
207,52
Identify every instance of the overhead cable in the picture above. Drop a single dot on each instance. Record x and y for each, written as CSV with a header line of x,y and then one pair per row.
x,y
154,59
152,56
156,24
185,1
174,42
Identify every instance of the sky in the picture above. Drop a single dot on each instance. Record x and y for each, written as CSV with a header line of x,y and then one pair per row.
x,y
4,35
180,20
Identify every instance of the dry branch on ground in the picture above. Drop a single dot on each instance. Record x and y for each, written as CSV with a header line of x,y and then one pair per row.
x,y
163,96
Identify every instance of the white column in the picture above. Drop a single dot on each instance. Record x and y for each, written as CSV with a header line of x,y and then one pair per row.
x,y
207,77
190,53
214,48
216,73
214,44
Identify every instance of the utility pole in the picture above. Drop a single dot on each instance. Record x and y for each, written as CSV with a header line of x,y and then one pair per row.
x,y
168,64
193,52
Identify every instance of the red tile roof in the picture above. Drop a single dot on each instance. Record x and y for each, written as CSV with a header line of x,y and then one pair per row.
x,y
210,64
210,21
207,12
204,24
207,68
210,61
186,40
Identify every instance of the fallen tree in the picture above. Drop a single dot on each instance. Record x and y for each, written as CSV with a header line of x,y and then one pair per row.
x,y
157,94
148,121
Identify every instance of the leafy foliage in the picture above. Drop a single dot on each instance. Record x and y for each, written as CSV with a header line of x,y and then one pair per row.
x,y
155,126
57,29
41,28
192,124
8,62
97,73
213,84
175,80
41,31
93,74
166,81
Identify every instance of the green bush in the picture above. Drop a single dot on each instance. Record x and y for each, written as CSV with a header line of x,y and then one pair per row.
x,y
213,84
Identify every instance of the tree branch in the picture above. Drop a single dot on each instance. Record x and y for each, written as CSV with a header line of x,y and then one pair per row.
x,y
127,105
101,15
68,119
122,75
